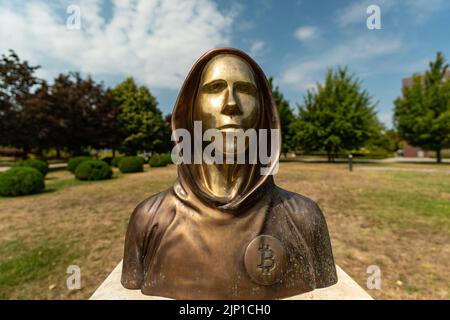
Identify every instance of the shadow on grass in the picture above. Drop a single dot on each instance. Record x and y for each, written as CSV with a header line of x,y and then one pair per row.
x,y
45,191
56,184
64,183
51,178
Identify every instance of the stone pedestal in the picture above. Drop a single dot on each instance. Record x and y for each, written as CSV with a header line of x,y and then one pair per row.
x,y
345,289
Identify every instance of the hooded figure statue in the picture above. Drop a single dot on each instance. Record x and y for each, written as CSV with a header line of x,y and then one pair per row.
x,y
226,231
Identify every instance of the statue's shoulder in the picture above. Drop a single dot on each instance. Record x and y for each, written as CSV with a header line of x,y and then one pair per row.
x,y
149,210
147,219
310,223
297,204
304,212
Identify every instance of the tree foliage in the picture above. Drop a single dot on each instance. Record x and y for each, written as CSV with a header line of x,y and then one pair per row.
x,y
78,105
337,115
143,125
287,117
76,113
17,81
422,114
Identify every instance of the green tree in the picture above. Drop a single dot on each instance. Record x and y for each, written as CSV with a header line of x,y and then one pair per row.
x,y
142,123
386,142
17,81
38,121
109,134
422,114
335,116
78,104
286,118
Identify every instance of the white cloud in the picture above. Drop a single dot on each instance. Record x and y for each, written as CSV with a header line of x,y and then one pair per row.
x,y
257,47
422,10
355,13
155,41
306,33
357,52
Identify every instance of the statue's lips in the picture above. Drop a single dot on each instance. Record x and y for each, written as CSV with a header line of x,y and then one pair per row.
x,y
230,128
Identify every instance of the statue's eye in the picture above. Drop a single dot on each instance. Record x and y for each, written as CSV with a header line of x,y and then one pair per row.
x,y
245,87
215,86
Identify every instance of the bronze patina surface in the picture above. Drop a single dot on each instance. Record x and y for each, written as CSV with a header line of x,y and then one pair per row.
x,y
225,231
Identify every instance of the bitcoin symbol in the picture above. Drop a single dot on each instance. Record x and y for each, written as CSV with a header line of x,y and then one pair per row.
x,y
264,260
267,262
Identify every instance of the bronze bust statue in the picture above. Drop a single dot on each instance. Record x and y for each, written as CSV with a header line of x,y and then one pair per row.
x,y
226,231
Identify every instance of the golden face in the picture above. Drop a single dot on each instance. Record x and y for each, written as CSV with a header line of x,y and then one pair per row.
x,y
227,98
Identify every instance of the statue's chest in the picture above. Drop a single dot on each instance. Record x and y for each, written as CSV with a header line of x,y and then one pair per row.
x,y
247,254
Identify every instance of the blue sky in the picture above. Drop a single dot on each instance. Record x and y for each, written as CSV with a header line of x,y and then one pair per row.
x,y
294,41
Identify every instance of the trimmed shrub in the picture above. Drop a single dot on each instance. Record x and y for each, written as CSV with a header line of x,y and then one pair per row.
x,y
93,170
75,162
108,160
157,160
19,181
167,158
39,165
115,161
131,164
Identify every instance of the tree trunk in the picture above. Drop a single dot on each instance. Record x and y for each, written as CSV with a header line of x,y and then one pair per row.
x,y
438,156
41,154
26,150
329,156
113,153
58,153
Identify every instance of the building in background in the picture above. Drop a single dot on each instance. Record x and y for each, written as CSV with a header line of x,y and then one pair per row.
x,y
407,82
410,151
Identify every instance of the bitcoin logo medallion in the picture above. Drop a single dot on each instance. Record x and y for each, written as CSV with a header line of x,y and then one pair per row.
x,y
264,260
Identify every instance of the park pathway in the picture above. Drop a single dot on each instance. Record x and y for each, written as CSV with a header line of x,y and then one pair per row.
x,y
52,166
425,170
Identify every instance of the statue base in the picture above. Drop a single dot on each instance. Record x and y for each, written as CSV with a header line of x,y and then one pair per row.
x,y
345,289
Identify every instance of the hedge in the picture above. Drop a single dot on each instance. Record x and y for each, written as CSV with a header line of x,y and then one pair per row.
x,y
131,164
75,162
115,161
167,158
19,181
41,166
159,160
93,170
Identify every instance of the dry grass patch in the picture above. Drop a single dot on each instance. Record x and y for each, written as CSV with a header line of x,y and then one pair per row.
x,y
84,223
396,220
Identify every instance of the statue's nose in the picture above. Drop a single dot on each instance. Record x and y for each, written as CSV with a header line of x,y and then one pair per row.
x,y
231,108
